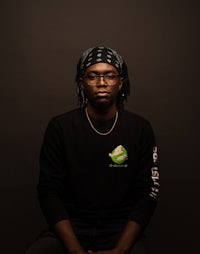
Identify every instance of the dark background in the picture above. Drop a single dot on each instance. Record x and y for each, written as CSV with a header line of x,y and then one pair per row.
x,y
40,44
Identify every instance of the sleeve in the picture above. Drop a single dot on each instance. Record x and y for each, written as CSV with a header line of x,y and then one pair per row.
x,y
146,187
51,187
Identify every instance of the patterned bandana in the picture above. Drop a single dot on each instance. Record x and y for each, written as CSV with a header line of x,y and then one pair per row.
x,y
101,55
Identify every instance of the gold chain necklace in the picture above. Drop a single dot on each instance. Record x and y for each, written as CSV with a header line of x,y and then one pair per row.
x,y
101,133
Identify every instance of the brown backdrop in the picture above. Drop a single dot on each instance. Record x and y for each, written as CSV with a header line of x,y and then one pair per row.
x,y
41,42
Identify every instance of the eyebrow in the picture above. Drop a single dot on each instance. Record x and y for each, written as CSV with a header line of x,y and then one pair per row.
x,y
105,72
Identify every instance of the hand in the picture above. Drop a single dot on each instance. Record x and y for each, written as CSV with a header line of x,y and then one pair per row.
x,y
112,251
126,242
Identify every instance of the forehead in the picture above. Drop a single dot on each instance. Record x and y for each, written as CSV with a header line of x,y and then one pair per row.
x,y
101,67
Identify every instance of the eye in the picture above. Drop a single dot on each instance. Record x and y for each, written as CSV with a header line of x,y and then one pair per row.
x,y
110,76
92,77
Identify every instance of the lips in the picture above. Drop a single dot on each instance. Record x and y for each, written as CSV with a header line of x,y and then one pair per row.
x,y
102,93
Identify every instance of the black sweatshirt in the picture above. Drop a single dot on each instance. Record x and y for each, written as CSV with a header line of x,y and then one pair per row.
x,y
88,176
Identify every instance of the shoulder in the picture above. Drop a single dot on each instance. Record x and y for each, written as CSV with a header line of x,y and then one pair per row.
x,y
138,124
133,118
65,120
67,117
133,122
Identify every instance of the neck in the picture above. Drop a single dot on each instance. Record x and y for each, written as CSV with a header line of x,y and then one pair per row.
x,y
101,114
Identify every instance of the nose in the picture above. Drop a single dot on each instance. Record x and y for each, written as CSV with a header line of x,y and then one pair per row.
x,y
101,81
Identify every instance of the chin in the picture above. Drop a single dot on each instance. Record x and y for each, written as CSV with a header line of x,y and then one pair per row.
x,y
102,105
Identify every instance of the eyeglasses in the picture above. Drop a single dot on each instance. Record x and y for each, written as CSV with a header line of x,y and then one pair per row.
x,y
110,79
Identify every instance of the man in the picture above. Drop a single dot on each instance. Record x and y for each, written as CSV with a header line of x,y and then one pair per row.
x,y
98,181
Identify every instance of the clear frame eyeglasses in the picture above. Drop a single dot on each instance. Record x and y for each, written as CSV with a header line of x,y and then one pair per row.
x,y
109,79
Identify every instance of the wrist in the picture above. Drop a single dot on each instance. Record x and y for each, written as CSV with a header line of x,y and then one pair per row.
x,y
76,250
120,250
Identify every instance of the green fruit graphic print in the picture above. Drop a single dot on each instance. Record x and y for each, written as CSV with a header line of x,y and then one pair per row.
x,y
118,155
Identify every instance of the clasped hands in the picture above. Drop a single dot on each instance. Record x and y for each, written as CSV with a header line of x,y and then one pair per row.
x,y
112,251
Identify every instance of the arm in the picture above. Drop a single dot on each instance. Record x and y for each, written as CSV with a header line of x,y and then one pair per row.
x,y
52,172
146,186
129,236
64,231
51,187
126,241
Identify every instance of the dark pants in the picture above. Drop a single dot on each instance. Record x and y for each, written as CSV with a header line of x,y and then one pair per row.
x,y
92,236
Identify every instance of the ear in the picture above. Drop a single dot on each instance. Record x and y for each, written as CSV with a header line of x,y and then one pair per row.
x,y
81,84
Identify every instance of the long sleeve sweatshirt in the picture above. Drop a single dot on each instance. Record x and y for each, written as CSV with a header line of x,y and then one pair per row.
x,y
88,176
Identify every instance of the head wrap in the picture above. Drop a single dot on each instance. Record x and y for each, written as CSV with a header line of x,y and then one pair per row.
x,y
100,55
